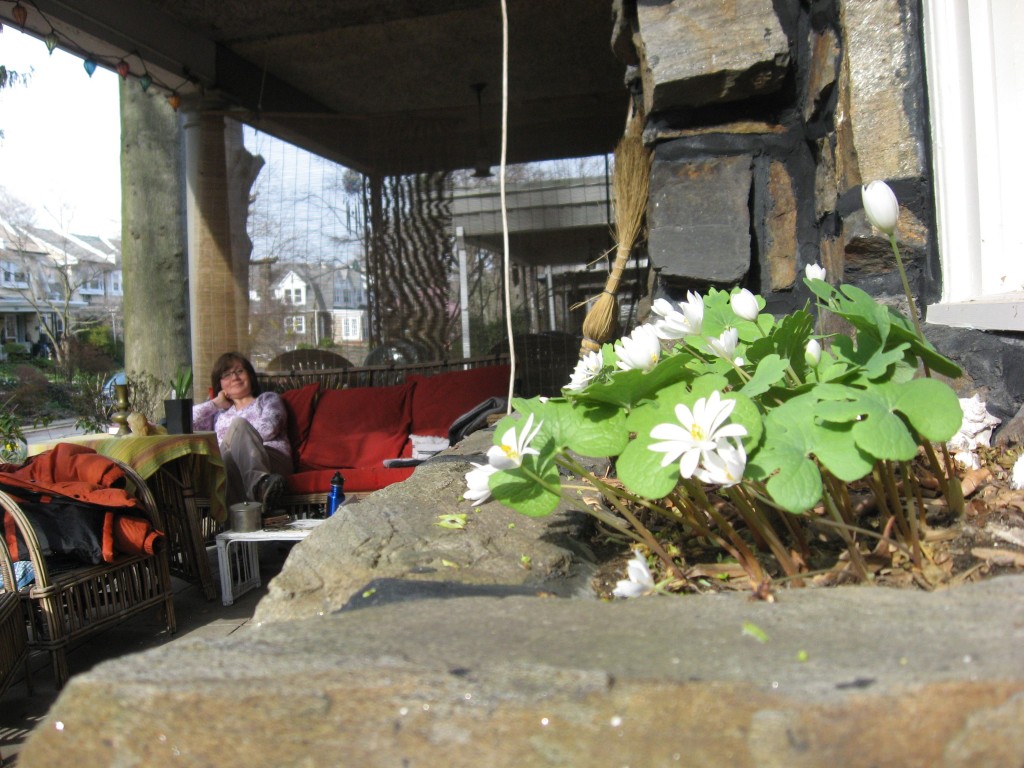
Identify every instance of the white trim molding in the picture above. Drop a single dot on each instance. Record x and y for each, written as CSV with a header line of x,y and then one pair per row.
x,y
975,71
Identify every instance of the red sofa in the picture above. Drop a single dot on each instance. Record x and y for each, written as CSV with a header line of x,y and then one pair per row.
x,y
355,430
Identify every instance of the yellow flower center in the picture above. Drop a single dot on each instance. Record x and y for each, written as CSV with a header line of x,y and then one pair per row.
x,y
697,432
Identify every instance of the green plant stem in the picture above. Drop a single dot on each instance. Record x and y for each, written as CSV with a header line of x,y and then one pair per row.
x,y
702,530
745,556
616,499
906,285
844,528
760,523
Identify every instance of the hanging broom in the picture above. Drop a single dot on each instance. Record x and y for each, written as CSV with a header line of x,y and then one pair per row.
x,y
631,182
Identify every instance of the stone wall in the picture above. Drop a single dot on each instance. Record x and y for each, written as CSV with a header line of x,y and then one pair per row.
x,y
765,117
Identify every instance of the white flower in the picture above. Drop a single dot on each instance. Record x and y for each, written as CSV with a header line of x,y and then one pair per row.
x,y
725,465
586,369
725,345
640,350
880,205
677,324
514,447
640,581
812,353
814,272
699,434
1017,476
478,489
744,305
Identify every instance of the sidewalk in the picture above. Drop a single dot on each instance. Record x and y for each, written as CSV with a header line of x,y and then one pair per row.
x,y
53,431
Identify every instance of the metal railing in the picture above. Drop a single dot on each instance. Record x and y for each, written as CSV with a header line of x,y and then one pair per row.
x,y
371,375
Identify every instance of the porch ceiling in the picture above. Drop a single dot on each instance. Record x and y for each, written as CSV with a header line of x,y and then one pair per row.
x,y
378,85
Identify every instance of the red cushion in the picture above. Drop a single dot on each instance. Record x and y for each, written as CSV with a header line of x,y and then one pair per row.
x,y
357,479
299,404
357,427
439,400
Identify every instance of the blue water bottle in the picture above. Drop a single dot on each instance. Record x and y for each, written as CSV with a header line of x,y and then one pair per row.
x,y
337,495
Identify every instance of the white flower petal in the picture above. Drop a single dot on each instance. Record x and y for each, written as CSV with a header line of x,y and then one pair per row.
x,y
880,205
814,272
640,350
744,304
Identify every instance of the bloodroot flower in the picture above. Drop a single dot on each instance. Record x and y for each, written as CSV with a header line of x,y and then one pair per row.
x,y
514,446
639,581
698,433
477,488
880,205
678,324
640,350
814,272
744,305
586,370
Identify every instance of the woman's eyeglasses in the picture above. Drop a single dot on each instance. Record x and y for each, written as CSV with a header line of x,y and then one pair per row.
x,y
235,374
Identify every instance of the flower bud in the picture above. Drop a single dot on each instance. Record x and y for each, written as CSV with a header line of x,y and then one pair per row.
x,y
812,353
814,272
744,305
880,205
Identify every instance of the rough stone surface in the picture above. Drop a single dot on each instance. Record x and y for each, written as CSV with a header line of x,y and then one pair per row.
x,y
551,682
995,365
686,60
359,555
822,71
885,86
699,218
780,226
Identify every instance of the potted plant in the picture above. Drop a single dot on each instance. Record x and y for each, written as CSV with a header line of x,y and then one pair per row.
x,y
178,408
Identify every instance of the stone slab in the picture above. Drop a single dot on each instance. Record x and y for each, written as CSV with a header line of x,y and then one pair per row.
x,y
699,217
853,676
686,60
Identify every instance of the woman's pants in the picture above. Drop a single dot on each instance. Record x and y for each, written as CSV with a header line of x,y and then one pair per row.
x,y
247,460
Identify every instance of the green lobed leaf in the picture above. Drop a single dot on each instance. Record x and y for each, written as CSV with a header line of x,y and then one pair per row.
x,y
770,370
590,429
931,407
518,490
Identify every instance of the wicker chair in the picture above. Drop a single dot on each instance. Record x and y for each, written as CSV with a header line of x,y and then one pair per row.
x,y
66,607
13,629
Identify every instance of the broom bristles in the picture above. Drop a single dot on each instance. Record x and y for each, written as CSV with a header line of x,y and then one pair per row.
x,y
631,183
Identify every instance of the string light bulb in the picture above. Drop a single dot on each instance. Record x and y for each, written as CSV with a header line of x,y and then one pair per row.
x,y
90,66
123,68
51,41
20,14
174,100
145,81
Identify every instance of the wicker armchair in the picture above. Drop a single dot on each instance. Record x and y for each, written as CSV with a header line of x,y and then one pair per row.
x,y
68,606
13,629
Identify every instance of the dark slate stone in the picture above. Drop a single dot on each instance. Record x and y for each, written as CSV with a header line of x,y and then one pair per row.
x,y
993,364
699,218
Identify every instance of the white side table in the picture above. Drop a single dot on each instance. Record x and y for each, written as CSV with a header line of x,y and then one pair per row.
x,y
240,565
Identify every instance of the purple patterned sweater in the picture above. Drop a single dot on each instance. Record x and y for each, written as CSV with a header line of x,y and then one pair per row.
x,y
266,413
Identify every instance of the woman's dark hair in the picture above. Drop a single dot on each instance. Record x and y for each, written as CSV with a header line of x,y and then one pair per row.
x,y
226,362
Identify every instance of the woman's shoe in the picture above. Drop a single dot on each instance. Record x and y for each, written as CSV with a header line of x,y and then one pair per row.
x,y
269,490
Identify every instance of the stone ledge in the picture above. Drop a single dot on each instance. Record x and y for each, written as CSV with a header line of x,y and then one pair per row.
x,y
544,682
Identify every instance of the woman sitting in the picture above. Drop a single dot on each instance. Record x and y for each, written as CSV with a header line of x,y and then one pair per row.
x,y
252,430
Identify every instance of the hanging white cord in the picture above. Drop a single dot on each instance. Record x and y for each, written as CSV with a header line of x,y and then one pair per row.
x,y
504,206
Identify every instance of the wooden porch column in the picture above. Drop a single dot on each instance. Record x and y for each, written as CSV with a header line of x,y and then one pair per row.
x,y
213,287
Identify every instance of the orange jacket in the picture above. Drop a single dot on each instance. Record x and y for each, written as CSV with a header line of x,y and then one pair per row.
x,y
79,473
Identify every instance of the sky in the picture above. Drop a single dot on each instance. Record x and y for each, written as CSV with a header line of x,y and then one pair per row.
x,y
61,150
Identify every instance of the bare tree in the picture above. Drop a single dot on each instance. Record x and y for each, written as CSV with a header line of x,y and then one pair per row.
x,y
50,278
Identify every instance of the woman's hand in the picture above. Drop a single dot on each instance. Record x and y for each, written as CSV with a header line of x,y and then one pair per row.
x,y
222,401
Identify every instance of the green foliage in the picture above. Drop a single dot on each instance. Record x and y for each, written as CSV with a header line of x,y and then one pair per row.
x,y
859,413
181,383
